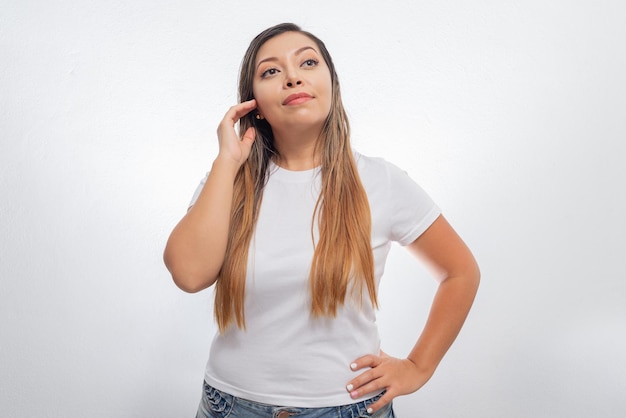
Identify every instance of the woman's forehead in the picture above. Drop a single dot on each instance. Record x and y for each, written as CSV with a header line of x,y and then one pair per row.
x,y
285,44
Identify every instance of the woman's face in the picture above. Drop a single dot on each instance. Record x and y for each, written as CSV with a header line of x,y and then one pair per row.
x,y
292,83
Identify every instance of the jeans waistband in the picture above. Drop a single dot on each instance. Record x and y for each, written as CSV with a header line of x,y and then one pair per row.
x,y
222,404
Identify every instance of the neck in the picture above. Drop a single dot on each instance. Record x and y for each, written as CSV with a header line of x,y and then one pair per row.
x,y
296,150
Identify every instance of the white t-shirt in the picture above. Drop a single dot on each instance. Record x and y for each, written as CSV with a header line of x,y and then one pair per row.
x,y
285,357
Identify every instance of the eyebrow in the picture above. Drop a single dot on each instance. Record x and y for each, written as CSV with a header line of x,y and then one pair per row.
x,y
298,52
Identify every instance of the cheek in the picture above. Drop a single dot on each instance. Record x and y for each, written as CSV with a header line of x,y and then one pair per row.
x,y
328,87
261,96
329,97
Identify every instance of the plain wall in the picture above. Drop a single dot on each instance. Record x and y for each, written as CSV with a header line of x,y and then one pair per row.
x,y
512,115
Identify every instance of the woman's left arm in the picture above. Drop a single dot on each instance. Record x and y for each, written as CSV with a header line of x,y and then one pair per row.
x,y
455,268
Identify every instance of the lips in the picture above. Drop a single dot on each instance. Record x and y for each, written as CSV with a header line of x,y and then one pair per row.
x,y
297,98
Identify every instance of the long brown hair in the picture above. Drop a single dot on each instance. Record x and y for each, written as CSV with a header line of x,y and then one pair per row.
x,y
343,253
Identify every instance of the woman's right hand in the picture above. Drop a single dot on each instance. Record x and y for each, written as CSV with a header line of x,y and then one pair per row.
x,y
196,248
233,149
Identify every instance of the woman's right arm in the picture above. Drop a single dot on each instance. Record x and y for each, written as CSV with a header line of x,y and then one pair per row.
x,y
196,247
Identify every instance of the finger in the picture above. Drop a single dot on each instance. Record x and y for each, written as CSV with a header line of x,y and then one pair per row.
x,y
369,386
359,385
237,111
369,360
249,136
380,403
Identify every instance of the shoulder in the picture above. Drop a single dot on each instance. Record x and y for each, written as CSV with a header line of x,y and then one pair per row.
x,y
386,180
365,161
401,209
377,170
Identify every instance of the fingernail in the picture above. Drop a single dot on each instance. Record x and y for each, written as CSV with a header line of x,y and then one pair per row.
x,y
350,387
354,394
353,366
370,410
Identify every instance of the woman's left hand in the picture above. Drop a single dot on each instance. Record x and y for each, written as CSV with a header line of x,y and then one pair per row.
x,y
396,376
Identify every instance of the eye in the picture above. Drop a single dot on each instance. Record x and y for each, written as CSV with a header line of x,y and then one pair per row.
x,y
269,72
310,63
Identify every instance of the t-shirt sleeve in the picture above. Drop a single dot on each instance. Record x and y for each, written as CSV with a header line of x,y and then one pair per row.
x,y
197,192
412,209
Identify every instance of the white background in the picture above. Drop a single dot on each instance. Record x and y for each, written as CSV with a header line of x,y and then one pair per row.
x,y
512,115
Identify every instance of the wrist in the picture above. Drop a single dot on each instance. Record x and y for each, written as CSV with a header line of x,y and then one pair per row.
x,y
421,367
226,164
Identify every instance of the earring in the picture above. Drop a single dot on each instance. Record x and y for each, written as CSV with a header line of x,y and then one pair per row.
x,y
258,116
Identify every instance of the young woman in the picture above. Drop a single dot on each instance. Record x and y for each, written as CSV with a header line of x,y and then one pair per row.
x,y
293,227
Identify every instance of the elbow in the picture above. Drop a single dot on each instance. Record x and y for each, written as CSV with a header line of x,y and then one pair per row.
x,y
473,279
188,278
476,274
191,282
472,274
467,278
188,284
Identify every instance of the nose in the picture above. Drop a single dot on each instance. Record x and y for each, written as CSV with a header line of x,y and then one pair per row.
x,y
292,78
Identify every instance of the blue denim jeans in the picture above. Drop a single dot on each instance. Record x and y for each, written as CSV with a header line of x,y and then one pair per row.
x,y
218,404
